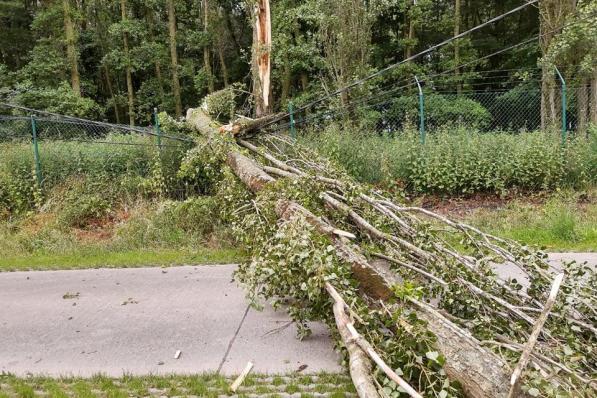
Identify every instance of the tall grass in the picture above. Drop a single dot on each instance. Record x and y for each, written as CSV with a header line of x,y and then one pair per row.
x,y
460,161
120,168
566,221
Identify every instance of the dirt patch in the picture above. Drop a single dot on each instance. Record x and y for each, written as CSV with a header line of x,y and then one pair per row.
x,y
101,229
34,224
462,206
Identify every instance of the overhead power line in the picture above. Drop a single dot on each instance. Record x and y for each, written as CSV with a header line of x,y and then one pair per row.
x,y
428,77
427,51
411,58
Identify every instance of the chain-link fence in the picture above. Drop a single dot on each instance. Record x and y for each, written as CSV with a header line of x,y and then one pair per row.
x,y
525,107
53,148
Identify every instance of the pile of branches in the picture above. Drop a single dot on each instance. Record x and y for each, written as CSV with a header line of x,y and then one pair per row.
x,y
423,305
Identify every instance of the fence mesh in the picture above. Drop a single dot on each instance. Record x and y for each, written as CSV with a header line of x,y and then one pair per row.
x,y
52,146
513,110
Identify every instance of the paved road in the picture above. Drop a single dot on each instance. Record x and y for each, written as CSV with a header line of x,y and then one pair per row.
x,y
134,320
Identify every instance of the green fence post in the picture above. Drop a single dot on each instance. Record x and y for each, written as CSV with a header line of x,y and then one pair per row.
x,y
292,124
156,127
421,111
36,151
564,106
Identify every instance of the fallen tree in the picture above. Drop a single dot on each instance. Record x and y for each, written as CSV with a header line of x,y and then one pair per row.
x,y
433,306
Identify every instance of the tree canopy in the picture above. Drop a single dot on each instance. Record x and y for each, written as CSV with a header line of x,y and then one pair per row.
x,y
118,60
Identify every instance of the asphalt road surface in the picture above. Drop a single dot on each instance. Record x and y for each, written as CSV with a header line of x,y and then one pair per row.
x,y
116,321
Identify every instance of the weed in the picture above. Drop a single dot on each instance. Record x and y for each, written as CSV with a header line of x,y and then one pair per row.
x,y
461,162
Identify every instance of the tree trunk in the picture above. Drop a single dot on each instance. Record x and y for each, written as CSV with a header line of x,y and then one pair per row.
x,y
286,83
552,14
111,92
206,50
71,51
594,97
457,45
411,36
304,81
129,77
223,64
174,58
481,373
158,67
262,41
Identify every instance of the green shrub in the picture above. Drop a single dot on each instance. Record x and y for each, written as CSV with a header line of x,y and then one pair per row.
x,y
130,169
80,208
440,110
169,223
461,161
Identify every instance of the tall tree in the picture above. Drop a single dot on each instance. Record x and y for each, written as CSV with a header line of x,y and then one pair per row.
x,y
457,44
71,50
553,14
206,48
129,77
174,57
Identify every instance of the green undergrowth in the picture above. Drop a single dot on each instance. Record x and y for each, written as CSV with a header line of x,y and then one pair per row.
x,y
203,385
461,162
130,166
562,222
80,234
110,205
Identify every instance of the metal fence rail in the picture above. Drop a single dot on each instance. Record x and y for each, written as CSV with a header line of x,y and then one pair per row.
x,y
434,106
40,128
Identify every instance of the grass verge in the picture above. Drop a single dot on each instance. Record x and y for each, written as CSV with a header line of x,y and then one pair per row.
x,y
566,221
203,385
98,258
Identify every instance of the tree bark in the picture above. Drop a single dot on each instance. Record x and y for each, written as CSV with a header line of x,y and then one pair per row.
x,y
111,92
71,51
261,61
174,58
223,64
286,83
207,50
594,97
158,67
411,36
457,45
129,77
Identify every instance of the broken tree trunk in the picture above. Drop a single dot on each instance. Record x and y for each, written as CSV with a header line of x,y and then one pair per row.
x,y
261,60
246,126
480,372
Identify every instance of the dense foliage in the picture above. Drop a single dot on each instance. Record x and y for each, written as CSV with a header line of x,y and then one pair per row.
x,y
119,59
460,161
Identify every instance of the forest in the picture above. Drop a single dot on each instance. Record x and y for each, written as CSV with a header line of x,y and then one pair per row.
x,y
117,60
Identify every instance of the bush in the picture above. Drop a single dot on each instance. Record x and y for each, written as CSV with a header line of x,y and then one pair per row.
x,y
170,223
80,209
462,162
440,110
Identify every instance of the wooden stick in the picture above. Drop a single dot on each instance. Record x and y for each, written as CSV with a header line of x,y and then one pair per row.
x,y
366,346
528,349
239,380
359,365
